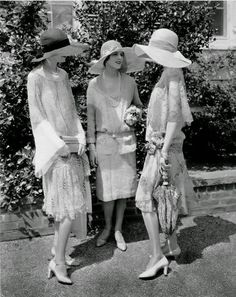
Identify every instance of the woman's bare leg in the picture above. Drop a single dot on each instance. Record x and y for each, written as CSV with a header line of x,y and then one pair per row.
x,y
63,235
152,226
55,240
108,208
120,210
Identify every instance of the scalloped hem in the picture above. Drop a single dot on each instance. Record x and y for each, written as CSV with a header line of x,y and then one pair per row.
x,y
59,216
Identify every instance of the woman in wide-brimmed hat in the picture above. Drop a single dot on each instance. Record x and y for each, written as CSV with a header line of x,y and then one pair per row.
x,y
168,112
112,142
56,126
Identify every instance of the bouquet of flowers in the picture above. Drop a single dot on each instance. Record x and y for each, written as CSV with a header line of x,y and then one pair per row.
x,y
156,142
132,116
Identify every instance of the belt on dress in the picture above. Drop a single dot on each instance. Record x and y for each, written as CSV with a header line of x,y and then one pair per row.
x,y
115,134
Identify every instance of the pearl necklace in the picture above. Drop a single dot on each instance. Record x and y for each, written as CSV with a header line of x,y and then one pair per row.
x,y
114,101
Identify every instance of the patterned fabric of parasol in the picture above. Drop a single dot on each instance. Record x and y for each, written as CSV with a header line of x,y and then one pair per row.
x,y
167,197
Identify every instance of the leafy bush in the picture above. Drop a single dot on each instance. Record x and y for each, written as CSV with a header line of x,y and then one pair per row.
x,y
212,133
211,84
19,185
133,22
21,23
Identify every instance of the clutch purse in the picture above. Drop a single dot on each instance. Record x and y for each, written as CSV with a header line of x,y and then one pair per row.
x,y
72,143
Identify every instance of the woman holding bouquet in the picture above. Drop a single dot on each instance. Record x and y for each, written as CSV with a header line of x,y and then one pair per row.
x,y
112,142
64,170
168,112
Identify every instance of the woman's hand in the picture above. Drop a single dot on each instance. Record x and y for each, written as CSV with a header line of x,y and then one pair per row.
x,y
90,219
93,155
164,163
81,149
64,152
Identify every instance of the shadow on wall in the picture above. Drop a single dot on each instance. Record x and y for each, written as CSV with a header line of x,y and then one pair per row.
x,y
209,230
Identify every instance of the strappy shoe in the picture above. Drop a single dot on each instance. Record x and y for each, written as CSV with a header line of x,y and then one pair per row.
x,y
60,271
69,261
151,272
103,238
120,242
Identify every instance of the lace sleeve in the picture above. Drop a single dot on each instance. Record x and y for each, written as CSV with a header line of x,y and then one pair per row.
x,y
174,110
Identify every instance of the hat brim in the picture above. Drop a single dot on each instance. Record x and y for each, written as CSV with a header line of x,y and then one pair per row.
x,y
133,62
73,49
162,57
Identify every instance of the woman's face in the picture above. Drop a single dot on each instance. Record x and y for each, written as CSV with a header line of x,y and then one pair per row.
x,y
116,60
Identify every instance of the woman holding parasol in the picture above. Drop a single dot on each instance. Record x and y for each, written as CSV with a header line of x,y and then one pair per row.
x,y
168,112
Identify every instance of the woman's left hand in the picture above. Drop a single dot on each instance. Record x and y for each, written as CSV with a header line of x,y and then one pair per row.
x,y
164,164
81,149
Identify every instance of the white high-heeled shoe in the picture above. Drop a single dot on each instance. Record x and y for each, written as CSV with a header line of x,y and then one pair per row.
x,y
61,274
120,242
151,272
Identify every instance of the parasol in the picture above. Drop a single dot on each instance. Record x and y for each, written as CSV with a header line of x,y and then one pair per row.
x,y
167,196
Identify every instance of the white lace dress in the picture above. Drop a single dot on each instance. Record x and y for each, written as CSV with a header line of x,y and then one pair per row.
x,y
168,103
53,114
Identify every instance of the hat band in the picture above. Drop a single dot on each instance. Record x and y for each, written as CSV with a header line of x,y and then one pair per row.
x,y
56,45
107,52
163,45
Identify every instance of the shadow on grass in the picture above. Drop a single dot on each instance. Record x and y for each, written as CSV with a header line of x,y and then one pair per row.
x,y
133,231
89,254
209,230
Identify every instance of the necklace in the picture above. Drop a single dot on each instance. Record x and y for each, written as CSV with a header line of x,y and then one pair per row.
x,y
114,101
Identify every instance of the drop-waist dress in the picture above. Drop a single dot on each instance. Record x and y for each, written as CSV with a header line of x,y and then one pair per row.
x,y
53,114
115,142
167,104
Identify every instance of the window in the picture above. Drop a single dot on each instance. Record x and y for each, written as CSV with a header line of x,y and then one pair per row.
x,y
219,18
61,13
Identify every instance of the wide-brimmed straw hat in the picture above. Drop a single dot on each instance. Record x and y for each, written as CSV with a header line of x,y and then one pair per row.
x,y
162,49
131,63
55,42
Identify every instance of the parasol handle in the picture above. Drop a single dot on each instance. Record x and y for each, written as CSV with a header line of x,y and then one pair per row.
x,y
165,178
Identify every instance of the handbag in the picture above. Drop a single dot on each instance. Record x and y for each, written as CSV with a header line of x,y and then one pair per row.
x,y
72,142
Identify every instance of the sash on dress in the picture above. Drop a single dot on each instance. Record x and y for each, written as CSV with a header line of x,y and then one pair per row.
x,y
110,143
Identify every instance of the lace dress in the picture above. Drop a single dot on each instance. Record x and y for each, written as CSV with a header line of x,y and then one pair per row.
x,y
53,114
168,103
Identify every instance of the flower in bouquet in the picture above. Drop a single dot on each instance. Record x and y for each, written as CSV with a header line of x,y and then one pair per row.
x,y
132,116
156,142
